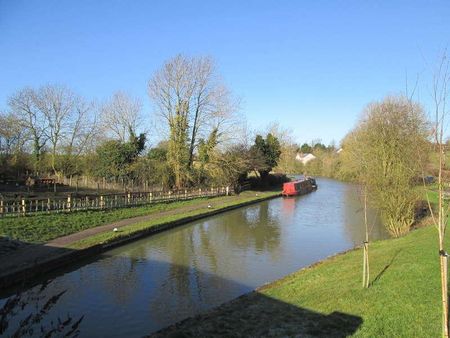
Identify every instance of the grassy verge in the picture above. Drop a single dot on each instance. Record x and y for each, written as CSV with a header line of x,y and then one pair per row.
x,y
403,300
42,228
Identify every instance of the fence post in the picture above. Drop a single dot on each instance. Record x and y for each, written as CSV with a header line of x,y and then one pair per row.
x,y
227,190
128,198
69,202
24,210
102,202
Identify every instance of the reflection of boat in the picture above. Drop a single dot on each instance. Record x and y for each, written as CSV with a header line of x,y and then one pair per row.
x,y
299,187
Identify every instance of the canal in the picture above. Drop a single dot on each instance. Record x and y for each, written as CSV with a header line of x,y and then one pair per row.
x,y
151,283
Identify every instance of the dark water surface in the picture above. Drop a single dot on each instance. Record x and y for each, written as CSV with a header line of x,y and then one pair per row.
x,y
151,283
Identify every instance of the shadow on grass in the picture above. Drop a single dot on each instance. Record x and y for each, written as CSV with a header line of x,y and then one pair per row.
x,y
256,315
381,273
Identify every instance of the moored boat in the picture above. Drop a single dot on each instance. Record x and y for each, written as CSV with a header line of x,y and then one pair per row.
x,y
299,187
313,182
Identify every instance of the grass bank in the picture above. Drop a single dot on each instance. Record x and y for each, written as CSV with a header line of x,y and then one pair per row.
x,y
43,228
402,301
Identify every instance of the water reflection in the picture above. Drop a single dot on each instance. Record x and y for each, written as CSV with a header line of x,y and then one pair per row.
x,y
354,215
151,283
29,314
256,229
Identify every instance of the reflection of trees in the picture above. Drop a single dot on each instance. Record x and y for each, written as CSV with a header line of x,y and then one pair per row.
x,y
253,227
118,276
186,288
28,314
189,250
121,269
354,217
195,254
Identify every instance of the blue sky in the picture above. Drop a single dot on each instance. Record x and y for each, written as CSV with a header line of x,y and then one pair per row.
x,y
309,65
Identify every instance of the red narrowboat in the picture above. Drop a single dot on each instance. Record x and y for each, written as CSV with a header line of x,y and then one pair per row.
x,y
299,187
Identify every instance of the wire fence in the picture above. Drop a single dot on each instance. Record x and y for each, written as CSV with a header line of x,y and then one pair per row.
x,y
71,203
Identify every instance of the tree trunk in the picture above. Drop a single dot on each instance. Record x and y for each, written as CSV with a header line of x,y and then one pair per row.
x,y
442,253
444,288
366,270
37,155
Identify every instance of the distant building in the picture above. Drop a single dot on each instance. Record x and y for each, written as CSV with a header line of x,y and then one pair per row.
x,y
304,158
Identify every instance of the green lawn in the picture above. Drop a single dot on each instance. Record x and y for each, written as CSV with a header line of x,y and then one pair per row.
x,y
403,302
42,228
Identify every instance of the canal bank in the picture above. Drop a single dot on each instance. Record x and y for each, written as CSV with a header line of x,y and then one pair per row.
x,y
28,261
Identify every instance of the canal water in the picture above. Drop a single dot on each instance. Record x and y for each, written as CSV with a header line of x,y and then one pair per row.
x,y
151,283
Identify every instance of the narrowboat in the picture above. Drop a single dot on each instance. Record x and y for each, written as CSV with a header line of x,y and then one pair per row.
x,y
299,187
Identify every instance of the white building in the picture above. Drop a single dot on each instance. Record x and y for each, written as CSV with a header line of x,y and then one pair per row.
x,y
304,158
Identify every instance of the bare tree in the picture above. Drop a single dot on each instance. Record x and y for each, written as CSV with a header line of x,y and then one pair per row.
x,y
53,115
80,136
388,137
83,128
24,105
192,83
382,153
356,154
366,266
12,135
57,105
440,92
121,116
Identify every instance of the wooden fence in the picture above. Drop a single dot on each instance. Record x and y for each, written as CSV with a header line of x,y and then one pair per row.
x,y
29,206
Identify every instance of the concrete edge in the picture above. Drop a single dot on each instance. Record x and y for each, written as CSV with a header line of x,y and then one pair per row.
x,y
24,273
